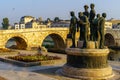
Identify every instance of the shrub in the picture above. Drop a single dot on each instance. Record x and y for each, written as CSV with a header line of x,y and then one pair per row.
x,y
33,58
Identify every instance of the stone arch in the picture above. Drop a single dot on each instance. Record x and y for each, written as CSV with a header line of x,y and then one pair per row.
x,y
58,40
21,42
109,39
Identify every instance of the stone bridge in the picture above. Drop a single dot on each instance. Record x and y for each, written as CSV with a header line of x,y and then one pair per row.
x,y
112,37
31,38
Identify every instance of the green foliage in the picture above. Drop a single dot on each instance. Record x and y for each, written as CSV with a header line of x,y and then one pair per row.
x,y
50,41
48,46
5,23
56,19
48,20
118,23
33,58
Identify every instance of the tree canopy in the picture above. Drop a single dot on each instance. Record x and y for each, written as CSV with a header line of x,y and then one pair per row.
x,y
56,19
5,23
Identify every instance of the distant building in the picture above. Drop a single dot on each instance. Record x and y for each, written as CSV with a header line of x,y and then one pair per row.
x,y
118,26
114,26
114,21
16,25
19,26
26,19
30,22
35,24
22,26
61,24
108,25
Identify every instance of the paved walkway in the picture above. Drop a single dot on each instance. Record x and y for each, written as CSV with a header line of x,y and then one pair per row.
x,y
22,75
12,72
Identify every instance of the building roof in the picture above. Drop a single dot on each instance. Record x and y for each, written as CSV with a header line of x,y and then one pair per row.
x,y
114,21
27,17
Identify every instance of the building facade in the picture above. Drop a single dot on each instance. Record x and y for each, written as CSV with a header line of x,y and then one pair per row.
x,y
108,25
29,22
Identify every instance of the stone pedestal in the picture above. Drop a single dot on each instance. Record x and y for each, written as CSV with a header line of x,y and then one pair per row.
x,y
68,43
87,64
90,44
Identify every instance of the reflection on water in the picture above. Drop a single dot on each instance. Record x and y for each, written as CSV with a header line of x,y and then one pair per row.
x,y
10,43
114,55
47,41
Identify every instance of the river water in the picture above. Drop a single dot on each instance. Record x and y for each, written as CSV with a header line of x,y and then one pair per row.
x,y
47,41
10,43
114,54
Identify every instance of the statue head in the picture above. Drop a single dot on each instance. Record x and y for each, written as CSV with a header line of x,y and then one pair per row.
x,y
92,6
80,14
86,7
72,13
98,15
104,15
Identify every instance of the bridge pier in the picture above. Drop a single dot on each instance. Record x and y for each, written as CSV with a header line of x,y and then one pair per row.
x,y
2,46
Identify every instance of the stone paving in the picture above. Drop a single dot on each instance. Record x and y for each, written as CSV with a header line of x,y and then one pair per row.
x,y
21,75
12,72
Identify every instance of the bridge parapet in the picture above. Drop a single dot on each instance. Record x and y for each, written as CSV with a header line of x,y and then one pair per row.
x,y
33,30
33,37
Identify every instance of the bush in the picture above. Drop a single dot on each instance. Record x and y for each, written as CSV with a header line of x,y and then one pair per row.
x,y
33,58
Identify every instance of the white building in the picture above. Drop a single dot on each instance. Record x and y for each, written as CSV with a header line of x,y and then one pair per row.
x,y
35,24
29,22
19,26
26,19
16,26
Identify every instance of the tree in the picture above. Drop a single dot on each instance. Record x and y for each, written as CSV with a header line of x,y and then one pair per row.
x,y
56,19
5,23
48,19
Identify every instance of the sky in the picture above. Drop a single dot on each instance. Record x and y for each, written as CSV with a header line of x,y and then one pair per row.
x,y
15,9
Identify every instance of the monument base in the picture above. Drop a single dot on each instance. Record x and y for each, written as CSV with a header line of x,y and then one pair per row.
x,y
90,44
91,64
90,74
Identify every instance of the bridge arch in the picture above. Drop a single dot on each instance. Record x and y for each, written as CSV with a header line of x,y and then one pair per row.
x,y
109,39
21,42
57,39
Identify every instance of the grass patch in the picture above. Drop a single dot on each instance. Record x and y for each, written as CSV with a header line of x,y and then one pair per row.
x,y
27,60
33,58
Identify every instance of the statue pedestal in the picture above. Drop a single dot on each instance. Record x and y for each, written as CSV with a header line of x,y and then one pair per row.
x,y
90,44
87,64
68,43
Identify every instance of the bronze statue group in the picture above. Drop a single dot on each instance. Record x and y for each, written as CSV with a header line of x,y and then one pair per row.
x,y
90,28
